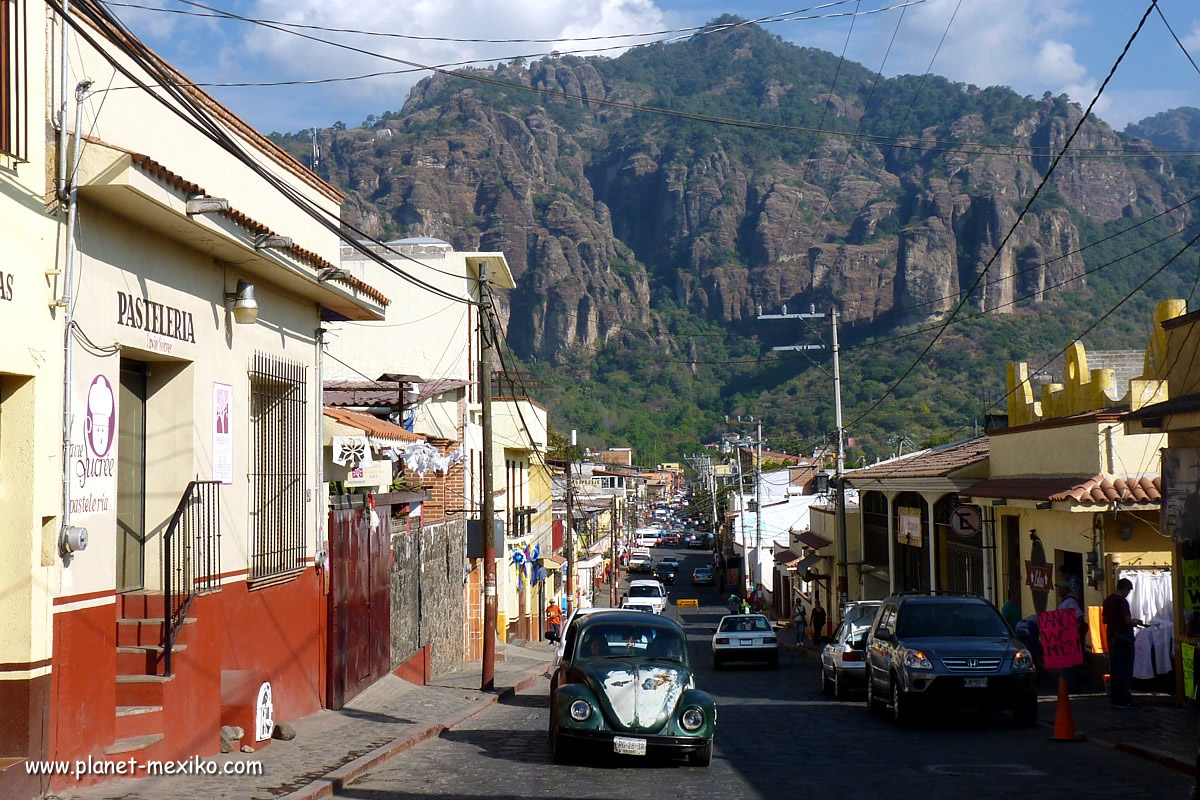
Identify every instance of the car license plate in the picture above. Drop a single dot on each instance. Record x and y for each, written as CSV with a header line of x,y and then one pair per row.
x,y
975,683
747,642
628,746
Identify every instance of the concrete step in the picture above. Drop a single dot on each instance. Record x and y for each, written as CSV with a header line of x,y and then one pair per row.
x,y
142,605
133,744
136,631
143,659
141,690
133,721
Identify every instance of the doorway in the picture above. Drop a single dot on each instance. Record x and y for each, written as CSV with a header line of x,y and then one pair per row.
x,y
131,477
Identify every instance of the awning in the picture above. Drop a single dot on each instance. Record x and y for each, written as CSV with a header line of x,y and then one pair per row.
x,y
786,558
813,540
590,563
806,563
1097,490
552,562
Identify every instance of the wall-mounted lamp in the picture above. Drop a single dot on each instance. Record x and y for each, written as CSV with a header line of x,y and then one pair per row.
x,y
203,204
272,241
245,307
1033,537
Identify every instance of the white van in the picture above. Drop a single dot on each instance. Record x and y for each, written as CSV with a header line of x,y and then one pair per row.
x,y
648,537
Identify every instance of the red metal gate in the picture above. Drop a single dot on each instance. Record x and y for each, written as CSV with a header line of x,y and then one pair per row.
x,y
359,601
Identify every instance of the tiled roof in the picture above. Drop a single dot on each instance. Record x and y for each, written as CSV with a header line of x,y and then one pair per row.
x,y
371,425
1097,490
935,463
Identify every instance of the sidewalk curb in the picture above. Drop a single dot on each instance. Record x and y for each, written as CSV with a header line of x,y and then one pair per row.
x,y
348,773
1160,757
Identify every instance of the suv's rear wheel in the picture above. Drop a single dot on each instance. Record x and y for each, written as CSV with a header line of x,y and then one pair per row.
x,y
874,702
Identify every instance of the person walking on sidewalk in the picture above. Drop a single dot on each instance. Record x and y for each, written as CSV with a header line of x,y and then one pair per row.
x,y
734,603
818,621
799,622
1120,623
553,621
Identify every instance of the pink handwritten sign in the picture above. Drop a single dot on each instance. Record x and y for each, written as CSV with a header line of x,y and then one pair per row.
x,y
1061,645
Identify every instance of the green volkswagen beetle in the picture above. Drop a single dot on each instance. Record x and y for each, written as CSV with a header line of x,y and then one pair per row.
x,y
623,685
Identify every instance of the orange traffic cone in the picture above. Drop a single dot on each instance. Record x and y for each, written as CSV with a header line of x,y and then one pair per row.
x,y
1064,720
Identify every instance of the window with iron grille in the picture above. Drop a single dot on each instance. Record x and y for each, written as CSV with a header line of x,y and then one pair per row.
x,y
13,77
278,403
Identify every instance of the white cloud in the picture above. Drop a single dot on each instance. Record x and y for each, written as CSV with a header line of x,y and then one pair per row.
x,y
289,56
1192,40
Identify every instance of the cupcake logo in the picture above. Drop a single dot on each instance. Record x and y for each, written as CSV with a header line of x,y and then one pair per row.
x,y
98,425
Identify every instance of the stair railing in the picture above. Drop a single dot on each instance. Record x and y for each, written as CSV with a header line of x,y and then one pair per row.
x,y
191,557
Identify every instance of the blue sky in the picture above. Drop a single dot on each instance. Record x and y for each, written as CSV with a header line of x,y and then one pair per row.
x,y
1031,45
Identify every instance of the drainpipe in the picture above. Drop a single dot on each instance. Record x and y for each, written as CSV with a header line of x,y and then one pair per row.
x,y
64,77
68,302
322,559
1110,450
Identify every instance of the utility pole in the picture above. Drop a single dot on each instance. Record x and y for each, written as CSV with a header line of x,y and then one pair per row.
x,y
488,515
570,532
839,471
616,568
758,510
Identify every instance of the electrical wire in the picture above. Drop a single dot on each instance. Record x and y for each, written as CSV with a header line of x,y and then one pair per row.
x,y
1016,223
1176,38
923,145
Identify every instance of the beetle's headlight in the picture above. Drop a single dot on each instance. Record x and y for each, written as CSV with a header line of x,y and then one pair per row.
x,y
915,659
692,719
1022,661
581,710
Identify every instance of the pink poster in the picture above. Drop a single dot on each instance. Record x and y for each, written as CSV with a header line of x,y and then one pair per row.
x,y
1061,645
222,443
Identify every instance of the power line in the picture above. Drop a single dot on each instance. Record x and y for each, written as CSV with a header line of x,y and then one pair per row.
x,y
1020,217
911,143
1176,38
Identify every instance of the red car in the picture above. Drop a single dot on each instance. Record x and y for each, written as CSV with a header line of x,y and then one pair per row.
x,y
671,538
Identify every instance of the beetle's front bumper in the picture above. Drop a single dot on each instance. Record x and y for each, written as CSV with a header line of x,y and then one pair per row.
x,y
655,744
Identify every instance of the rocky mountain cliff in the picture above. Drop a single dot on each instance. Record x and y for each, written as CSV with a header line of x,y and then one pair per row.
x,y
605,213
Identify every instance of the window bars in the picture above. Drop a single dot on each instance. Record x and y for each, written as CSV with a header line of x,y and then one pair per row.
x,y
14,73
278,400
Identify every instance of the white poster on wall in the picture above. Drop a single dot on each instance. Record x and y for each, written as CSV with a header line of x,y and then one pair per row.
x,y
94,440
222,442
909,529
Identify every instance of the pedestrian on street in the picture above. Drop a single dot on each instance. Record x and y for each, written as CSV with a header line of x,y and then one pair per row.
x,y
1120,623
744,607
799,621
1066,602
734,603
553,621
1011,610
817,618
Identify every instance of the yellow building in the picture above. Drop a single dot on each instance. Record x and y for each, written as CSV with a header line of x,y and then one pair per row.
x,y
1070,487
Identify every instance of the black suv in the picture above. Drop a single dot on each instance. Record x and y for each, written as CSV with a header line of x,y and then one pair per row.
x,y
930,652
666,572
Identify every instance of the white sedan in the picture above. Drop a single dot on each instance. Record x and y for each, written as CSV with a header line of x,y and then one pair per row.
x,y
745,637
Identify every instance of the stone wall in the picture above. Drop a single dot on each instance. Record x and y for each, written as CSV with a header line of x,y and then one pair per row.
x,y
427,592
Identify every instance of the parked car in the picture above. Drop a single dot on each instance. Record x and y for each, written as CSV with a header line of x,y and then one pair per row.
x,y
843,660
745,637
651,592
939,652
702,576
624,686
665,573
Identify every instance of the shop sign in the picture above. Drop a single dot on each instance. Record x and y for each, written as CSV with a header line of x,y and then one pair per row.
x,y
163,324
1059,632
222,441
374,473
1039,577
93,440
909,529
6,286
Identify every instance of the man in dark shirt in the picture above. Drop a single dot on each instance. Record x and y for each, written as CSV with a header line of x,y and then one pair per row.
x,y
1120,623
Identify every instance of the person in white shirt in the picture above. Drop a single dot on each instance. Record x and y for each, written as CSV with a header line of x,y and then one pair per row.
x,y
1066,600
